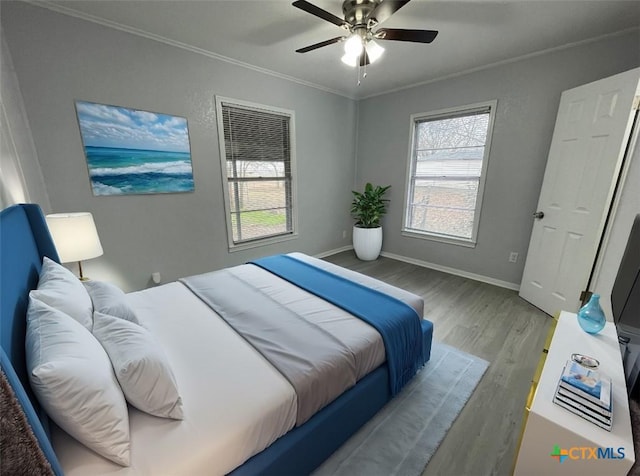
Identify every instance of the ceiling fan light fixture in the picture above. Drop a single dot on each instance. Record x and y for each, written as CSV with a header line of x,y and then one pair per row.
x,y
353,46
360,18
350,60
374,50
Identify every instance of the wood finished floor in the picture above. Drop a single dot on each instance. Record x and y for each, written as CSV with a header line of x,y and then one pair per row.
x,y
487,321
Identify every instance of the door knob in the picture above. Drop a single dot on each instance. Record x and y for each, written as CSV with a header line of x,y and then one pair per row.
x,y
538,215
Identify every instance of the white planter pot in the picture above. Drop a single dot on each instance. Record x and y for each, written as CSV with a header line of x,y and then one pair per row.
x,y
367,242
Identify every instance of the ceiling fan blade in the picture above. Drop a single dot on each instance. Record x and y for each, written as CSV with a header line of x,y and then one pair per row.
x,y
417,36
321,44
385,9
319,12
364,58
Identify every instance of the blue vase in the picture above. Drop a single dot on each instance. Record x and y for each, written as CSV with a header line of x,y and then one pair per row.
x,y
591,317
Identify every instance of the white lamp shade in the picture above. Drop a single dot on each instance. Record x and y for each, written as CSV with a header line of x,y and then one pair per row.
x,y
75,236
374,50
353,46
350,60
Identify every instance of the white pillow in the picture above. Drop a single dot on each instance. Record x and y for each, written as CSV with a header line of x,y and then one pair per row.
x,y
110,299
141,366
60,289
72,377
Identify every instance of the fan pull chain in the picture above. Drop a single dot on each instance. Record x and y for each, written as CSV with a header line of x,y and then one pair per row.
x,y
363,70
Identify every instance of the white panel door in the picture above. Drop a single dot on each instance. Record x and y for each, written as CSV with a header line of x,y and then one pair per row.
x,y
591,133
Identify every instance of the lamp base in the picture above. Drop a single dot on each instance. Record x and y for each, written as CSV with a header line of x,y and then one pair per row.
x,y
81,276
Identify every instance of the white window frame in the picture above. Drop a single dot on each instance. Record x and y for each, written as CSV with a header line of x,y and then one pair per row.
x,y
444,113
293,234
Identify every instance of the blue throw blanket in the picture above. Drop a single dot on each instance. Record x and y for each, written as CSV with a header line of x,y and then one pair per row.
x,y
397,323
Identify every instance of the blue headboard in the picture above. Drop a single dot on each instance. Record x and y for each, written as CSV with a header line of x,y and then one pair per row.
x,y
24,241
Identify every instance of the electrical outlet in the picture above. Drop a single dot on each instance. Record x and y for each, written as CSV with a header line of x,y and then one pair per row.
x,y
344,234
513,257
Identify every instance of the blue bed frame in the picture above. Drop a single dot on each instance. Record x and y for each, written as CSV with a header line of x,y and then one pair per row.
x,y
25,239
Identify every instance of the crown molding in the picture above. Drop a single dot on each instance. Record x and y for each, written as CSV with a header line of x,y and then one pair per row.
x,y
177,44
506,61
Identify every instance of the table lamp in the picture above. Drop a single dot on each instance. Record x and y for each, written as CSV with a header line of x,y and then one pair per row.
x,y
75,237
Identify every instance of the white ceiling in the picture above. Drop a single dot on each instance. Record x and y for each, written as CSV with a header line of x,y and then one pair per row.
x,y
265,34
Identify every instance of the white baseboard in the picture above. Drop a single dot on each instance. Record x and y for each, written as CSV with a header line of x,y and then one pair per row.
x,y
437,267
454,271
324,254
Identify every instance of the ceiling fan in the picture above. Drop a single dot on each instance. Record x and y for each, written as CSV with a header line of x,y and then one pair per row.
x,y
361,17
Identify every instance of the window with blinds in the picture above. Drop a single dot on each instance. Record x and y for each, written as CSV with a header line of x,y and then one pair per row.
x,y
257,166
448,161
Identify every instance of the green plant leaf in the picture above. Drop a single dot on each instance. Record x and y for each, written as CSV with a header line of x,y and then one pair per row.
x,y
369,207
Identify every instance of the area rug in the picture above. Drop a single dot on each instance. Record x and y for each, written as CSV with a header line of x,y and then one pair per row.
x,y
404,435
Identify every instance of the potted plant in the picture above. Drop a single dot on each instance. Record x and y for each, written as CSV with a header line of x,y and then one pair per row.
x,y
368,208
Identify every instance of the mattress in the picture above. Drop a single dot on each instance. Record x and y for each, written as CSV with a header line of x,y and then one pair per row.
x,y
201,349
235,403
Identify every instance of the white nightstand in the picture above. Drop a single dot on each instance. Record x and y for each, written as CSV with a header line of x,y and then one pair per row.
x,y
549,425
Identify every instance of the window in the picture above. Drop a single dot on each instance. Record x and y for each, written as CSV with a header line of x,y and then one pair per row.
x,y
258,172
448,161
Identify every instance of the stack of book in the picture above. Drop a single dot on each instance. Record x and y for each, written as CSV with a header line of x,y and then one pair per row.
x,y
585,392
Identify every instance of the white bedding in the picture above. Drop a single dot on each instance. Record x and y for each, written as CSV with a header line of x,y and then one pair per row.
x,y
235,403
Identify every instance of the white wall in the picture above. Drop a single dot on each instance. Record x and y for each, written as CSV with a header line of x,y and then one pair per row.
x,y
528,94
20,176
59,59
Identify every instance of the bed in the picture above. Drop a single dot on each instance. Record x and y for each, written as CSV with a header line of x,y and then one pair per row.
x,y
239,412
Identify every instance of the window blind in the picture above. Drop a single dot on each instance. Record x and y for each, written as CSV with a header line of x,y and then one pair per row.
x,y
258,167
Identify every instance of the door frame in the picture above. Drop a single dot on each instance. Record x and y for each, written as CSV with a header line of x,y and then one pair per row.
x,y
621,179
610,204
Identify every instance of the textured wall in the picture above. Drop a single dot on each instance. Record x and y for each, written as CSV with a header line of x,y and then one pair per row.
x,y
59,59
528,94
20,178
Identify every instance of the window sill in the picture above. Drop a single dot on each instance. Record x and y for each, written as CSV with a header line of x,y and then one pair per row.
x,y
263,242
439,238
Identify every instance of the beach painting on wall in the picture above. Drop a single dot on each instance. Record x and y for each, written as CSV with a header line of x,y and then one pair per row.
x,y
134,152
